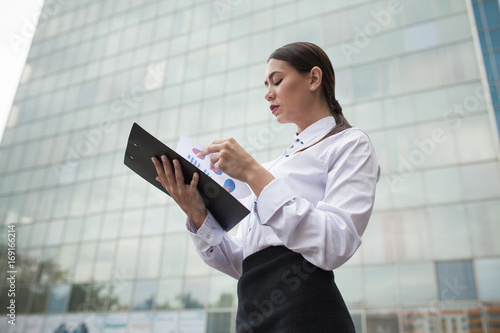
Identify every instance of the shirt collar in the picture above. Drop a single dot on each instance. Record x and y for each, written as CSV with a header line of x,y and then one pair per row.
x,y
314,131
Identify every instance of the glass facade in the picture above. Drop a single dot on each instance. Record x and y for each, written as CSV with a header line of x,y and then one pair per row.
x,y
98,248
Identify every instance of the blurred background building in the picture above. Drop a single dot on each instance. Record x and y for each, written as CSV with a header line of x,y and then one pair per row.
x,y
99,248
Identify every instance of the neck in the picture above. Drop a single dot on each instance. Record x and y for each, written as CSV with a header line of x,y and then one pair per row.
x,y
317,112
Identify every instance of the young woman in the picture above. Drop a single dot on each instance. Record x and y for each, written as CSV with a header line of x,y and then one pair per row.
x,y
308,210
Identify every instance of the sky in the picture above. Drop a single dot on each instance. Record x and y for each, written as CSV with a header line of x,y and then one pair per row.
x,y
17,21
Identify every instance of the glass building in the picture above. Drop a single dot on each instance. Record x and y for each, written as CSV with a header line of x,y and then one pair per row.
x,y
97,247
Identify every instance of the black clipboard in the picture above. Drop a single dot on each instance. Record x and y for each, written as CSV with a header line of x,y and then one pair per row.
x,y
142,146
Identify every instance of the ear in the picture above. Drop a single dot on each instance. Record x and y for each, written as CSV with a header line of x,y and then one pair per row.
x,y
316,76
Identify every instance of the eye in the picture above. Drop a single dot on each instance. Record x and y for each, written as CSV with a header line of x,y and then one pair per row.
x,y
277,83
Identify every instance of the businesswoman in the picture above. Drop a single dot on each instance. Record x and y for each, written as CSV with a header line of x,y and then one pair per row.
x,y
308,209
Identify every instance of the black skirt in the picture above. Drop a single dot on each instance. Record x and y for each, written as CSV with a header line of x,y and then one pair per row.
x,y
280,291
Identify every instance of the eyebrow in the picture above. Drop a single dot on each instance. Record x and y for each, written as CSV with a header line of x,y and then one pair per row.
x,y
270,77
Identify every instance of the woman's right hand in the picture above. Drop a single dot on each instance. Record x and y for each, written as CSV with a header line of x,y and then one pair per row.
x,y
186,196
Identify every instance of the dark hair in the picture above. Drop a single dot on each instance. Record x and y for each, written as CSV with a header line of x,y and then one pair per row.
x,y
303,56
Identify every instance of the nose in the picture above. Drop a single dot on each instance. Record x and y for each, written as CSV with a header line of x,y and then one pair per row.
x,y
269,95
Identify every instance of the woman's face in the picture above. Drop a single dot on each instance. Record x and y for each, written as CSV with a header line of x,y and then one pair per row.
x,y
288,92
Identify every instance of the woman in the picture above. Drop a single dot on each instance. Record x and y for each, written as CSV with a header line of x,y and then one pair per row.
x,y
308,210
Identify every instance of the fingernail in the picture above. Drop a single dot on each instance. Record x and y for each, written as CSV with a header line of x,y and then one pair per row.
x,y
157,178
153,158
164,158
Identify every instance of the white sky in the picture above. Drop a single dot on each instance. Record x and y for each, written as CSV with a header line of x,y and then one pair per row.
x,y
17,19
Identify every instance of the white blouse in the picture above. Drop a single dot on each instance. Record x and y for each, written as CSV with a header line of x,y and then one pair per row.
x,y
318,205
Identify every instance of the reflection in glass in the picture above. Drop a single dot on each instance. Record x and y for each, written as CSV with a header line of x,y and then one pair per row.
x,y
173,255
120,295
126,255
219,322
420,320
169,294
222,290
149,257
382,321
104,261
77,299
195,293
85,264
66,262
39,297
144,295
456,280
59,297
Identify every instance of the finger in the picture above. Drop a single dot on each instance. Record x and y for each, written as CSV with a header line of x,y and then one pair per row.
x,y
159,168
194,181
168,172
179,177
211,148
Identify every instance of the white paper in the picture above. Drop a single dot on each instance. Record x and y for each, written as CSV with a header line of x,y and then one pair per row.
x,y
188,148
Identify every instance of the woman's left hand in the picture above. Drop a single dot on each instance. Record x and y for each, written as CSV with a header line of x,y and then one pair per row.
x,y
229,157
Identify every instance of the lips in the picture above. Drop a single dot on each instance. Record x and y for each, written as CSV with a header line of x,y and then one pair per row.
x,y
274,108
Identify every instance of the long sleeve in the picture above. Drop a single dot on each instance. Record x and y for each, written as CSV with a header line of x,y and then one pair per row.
x,y
326,233
216,247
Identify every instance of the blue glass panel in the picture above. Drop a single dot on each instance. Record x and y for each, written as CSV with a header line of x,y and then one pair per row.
x,y
494,95
477,15
59,297
495,38
456,280
492,13
482,39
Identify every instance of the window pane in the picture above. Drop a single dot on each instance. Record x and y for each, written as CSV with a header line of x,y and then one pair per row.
x,y
85,264
449,232
456,280
104,261
412,229
173,255
195,293
348,280
59,297
149,257
219,322
382,321
485,227
481,180
39,295
443,185
66,262
488,275
144,295
77,298
169,294
222,291
379,285
421,36
378,239
126,255
417,283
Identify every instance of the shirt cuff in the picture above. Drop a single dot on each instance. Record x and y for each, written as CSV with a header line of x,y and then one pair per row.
x,y
208,235
272,198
